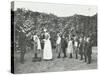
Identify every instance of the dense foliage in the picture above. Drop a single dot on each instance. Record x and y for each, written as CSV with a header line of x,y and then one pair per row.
x,y
31,21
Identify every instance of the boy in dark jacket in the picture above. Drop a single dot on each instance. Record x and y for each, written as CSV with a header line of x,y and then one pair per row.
x,y
89,50
63,46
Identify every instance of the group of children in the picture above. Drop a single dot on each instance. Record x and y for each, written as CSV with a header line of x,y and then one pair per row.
x,y
78,47
69,46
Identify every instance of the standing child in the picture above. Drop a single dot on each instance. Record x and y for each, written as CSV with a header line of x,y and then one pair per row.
x,y
63,45
70,47
89,50
37,46
76,47
58,45
81,47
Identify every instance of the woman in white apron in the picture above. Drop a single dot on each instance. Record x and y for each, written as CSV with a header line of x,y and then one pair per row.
x,y
47,52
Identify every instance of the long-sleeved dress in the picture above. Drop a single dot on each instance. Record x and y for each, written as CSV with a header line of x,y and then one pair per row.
x,y
37,45
70,47
47,52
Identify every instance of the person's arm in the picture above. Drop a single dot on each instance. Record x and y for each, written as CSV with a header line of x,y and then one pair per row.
x,y
49,36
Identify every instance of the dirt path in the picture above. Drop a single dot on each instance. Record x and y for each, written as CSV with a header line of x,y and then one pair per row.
x,y
62,64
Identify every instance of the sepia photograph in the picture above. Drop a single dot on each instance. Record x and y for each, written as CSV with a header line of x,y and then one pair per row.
x,y
51,37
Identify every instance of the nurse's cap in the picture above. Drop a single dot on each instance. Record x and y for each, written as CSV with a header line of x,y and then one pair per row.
x,y
45,30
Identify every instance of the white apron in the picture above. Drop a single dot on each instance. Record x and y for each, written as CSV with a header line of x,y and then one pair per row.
x,y
39,45
70,47
36,39
47,52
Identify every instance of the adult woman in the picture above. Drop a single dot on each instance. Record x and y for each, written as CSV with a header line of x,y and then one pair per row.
x,y
47,52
